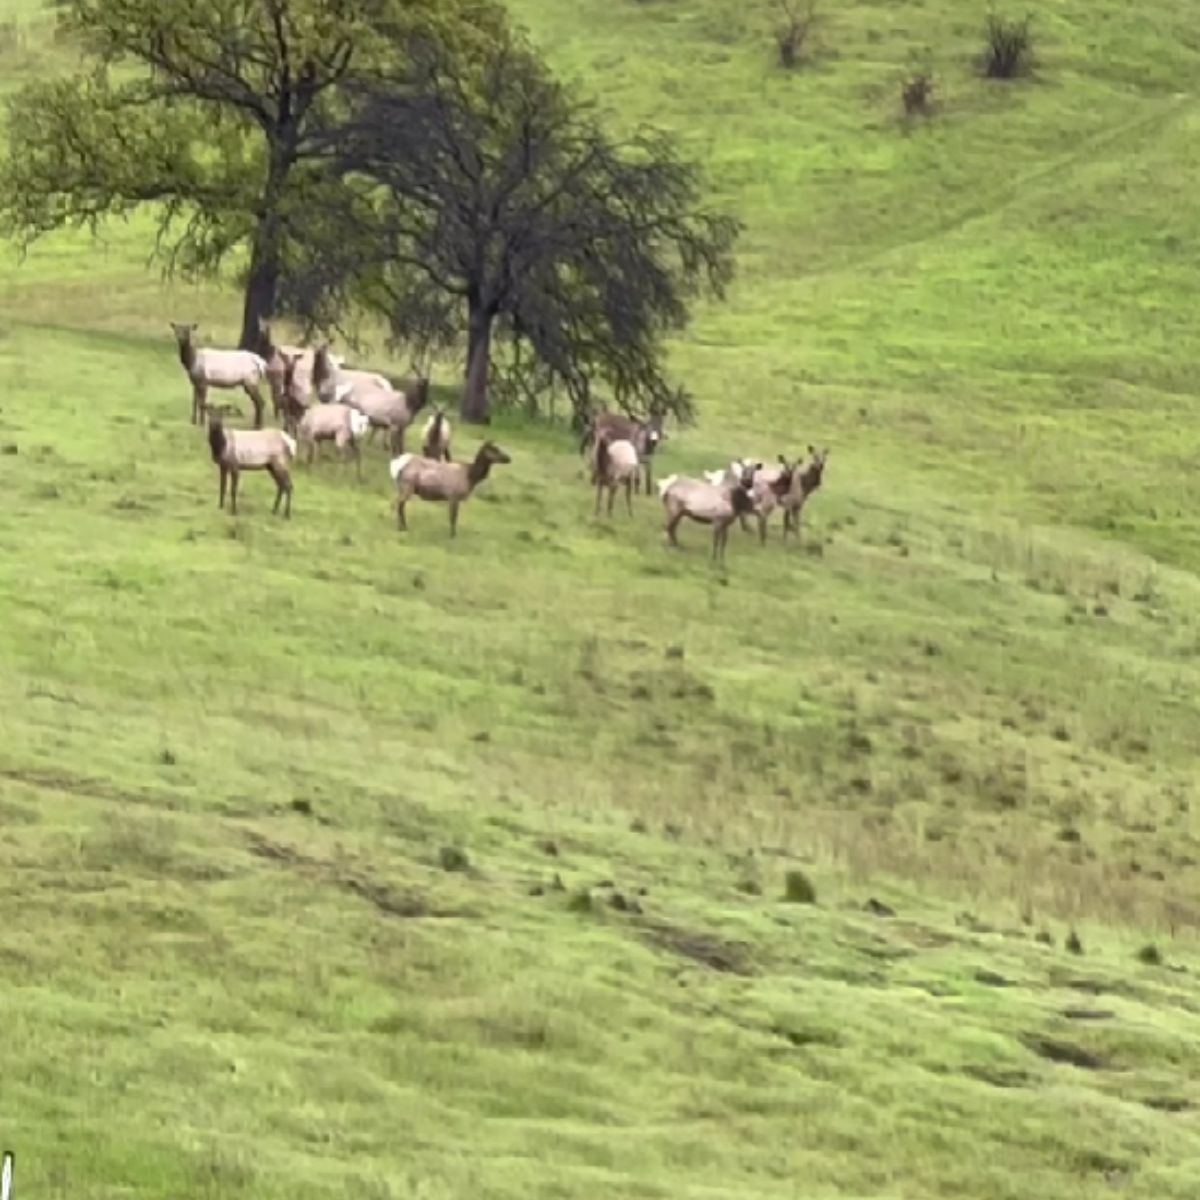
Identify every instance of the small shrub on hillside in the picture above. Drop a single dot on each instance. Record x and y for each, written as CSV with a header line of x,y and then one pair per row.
x,y
793,34
916,94
1008,52
1151,955
1073,944
798,888
453,859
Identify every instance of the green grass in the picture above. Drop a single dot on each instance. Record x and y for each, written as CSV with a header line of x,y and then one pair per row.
x,y
238,756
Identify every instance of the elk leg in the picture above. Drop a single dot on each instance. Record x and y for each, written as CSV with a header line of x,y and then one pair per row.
x,y
256,399
199,395
672,525
762,528
224,476
233,489
454,518
612,496
629,496
401,519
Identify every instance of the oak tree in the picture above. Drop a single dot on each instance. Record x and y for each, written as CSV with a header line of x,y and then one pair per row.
x,y
483,186
206,110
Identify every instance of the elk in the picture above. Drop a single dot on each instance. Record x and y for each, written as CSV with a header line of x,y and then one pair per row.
x,y
238,450
280,377
435,437
225,369
645,436
771,484
330,378
616,466
707,503
804,483
449,481
337,423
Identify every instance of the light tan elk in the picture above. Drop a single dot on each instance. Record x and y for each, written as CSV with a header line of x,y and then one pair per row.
x,y
238,450
451,482
616,466
646,437
435,437
718,505
336,423
224,369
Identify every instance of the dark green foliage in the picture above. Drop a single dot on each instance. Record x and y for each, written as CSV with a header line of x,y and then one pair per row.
x,y
1008,53
485,195
215,129
798,888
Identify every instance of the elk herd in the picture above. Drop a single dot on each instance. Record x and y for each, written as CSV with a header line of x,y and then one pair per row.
x,y
316,398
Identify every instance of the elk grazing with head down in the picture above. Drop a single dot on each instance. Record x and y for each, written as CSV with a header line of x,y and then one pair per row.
x,y
224,369
451,482
718,505
238,450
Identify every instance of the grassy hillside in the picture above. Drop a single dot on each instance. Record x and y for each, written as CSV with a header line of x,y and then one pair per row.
x,y
340,863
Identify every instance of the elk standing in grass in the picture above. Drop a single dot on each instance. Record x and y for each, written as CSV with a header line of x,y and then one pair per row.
x,y
336,423
449,481
332,382
616,466
771,484
388,408
435,437
645,436
804,483
238,450
207,368
287,367
718,505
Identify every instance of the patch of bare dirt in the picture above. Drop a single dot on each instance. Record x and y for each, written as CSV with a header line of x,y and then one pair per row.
x,y
388,900
704,948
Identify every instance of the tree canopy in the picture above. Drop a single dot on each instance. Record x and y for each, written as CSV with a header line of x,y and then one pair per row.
x,y
482,187
411,159
208,109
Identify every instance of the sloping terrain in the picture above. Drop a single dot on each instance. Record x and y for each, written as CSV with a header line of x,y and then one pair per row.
x,y
343,863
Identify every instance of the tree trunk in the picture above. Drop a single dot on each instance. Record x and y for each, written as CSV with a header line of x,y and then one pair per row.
x,y
475,402
262,284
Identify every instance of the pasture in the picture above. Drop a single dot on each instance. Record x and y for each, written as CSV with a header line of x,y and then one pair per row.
x,y
339,861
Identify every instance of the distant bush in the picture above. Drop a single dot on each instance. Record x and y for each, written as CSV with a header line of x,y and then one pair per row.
x,y
799,889
1008,53
916,94
794,31
1073,943
453,859
1151,955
